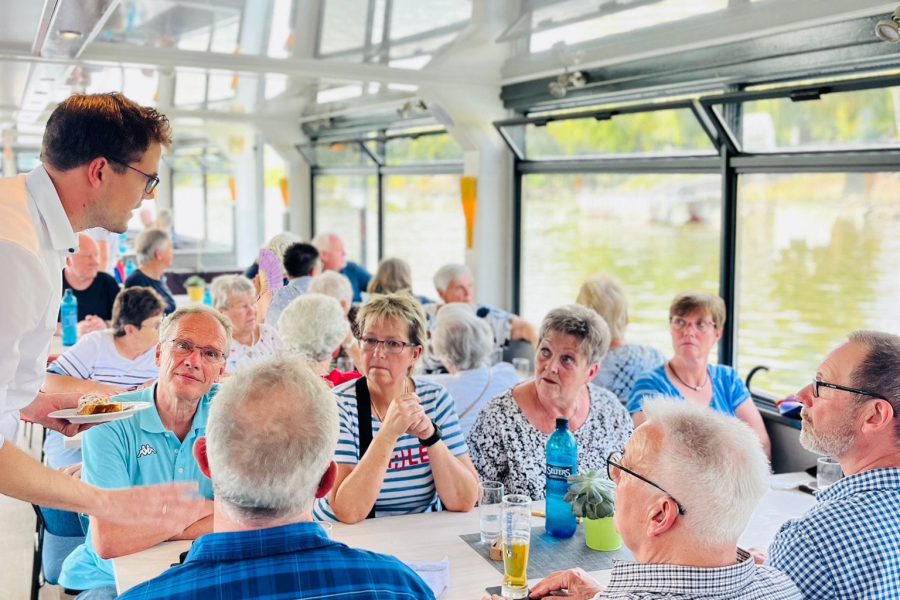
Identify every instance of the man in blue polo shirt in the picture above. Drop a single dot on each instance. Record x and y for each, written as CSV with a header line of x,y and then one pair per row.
x,y
334,258
848,545
153,446
269,444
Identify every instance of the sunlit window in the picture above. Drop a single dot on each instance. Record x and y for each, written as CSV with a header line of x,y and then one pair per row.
x,y
348,205
817,260
659,234
274,190
202,201
424,225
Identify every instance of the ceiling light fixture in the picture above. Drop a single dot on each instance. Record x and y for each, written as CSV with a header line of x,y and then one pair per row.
x,y
70,34
888,30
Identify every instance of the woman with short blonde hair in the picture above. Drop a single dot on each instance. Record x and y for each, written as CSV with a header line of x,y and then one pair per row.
x,y
624,363
387,418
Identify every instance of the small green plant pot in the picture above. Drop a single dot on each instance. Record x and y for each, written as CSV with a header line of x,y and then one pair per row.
x,y
601,534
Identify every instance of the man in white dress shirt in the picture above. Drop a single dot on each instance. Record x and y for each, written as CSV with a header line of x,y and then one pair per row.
x,y
100,155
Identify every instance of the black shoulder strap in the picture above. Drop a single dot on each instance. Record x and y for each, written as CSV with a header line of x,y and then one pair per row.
x,y
364,414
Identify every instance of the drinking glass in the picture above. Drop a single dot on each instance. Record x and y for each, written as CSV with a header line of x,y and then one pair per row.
x,y
828,471
344,364
490,498
523,367
515,534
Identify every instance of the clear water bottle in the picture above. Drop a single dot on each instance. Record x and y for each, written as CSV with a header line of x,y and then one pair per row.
x,y
562,461
129,268
68,318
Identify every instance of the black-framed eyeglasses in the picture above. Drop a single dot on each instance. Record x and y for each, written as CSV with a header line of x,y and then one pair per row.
x,y
152,180
817,384
369,343
614,460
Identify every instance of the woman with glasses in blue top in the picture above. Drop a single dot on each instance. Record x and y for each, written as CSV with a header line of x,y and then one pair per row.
x,y
400,448
696,320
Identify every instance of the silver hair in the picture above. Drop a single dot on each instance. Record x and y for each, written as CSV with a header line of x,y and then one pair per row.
x,y
313,326
582,323
323,240
194,309
280,242
149,242
334,284
271,436
461,339
713,464
444,276
224,287
879,371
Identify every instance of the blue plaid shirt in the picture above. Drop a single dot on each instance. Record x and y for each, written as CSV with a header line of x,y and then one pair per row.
x,y
295,561
848,545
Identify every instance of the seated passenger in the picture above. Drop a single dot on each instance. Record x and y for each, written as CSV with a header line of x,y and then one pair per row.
x,y
454,283
252,342
301,263
332,283
110,361
684,548
154,254
393,275
509,438
848,545
464,345
696,323
312,327
624,363
417,453
334,258
94,289
154,445
277,244
268,450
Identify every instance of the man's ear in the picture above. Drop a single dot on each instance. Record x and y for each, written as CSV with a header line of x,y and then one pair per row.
x,y
96,172
663,517
327,481
201,457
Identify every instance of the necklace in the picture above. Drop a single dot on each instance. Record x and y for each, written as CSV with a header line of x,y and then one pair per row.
x,y
696,388
377,414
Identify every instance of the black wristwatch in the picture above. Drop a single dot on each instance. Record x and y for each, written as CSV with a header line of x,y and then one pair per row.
x,y
434,438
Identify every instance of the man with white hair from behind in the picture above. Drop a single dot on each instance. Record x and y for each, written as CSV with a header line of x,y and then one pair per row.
x,y
270,439
684,548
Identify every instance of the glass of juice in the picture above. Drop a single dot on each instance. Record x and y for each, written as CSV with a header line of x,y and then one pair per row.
x,y
515,536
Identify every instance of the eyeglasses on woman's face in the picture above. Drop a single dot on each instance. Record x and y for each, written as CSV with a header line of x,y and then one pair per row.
x,y
369,344
701,325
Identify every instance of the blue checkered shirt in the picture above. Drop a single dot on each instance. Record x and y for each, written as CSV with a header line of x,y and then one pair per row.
x,y
848,545
744,580
295,561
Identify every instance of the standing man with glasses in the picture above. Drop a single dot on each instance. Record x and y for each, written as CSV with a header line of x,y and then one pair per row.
x,y
76,187
684,548
153,446
848,544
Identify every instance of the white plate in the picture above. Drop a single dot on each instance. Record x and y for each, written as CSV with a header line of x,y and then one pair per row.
x,y
71,414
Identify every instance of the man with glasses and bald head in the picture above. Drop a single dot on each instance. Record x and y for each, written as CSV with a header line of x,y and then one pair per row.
x,y
687,483
153,446
848,544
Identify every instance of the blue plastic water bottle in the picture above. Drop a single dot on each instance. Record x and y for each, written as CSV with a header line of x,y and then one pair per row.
x,y
123,243
207,297
562,461
129,268
68,317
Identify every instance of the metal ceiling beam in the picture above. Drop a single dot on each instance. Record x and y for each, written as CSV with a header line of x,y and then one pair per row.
x,y
737,23
301,68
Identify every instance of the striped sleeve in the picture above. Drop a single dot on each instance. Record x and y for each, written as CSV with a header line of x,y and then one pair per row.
x,y
79,360
347,452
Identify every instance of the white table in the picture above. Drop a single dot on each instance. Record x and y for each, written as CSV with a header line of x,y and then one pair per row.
x,y
432,536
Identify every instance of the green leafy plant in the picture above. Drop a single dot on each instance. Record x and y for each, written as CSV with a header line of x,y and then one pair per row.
x,y
194,281
592,495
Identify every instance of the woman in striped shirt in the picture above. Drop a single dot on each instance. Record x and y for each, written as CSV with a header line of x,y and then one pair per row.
x,y
400,447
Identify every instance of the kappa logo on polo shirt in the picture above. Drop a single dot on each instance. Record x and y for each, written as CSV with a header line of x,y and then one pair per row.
x,y
146,450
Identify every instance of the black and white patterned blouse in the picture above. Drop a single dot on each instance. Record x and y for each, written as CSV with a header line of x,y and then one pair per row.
x,y
624,365
506,447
